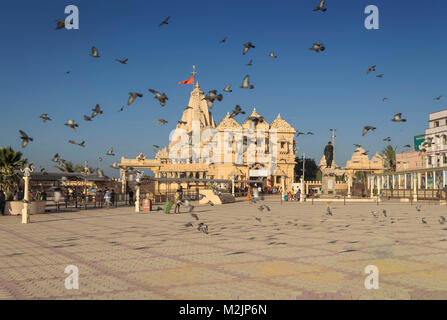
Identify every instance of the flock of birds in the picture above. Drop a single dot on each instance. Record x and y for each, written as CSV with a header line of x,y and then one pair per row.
x,y
211,97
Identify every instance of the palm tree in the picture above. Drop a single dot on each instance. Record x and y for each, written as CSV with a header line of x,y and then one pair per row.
x,y
10,164
389,154
68,166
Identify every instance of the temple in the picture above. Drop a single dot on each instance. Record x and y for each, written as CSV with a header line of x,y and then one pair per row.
x,y
231,160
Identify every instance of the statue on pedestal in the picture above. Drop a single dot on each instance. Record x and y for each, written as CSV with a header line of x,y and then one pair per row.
x,y
329,154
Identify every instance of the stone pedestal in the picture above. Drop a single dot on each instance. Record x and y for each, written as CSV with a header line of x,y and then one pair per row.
x,y
328,183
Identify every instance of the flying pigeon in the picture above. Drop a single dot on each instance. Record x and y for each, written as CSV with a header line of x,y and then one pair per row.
x,y
250,63
223,40
357,145
87,118
320,6
423,220
115,165
160,96
124,61
380,75
442,220
25,138
366,129
60,24
96,111
212,96
56,158
372,68
44,117
246,83
94,53
387,139
155,147
163,121
310,133
247,46
72,124
181,122
121,109
227,88
299,133
407,146
256,120
237,110
133,96
110,152
195,216
165,21
438,98
398,118
384,99
317,47
82,144
272,55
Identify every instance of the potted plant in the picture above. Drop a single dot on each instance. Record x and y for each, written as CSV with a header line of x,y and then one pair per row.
x,y
10,164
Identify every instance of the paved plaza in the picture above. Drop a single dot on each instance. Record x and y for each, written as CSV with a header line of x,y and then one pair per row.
x,y
295,251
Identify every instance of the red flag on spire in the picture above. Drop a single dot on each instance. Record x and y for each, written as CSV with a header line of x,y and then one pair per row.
x,y
189,81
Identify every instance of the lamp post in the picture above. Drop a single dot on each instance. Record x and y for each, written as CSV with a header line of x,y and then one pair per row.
x,y
303,184
139,175
26,175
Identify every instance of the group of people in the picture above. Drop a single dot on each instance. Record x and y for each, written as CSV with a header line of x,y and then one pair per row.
x,y
293,195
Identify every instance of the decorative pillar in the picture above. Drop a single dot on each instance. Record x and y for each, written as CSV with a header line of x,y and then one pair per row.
x,y
283,178
123,181
232,185
379,184
139,175
415,186
371,183
25,212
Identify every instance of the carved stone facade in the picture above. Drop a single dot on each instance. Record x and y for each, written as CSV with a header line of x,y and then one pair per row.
x,y
226,161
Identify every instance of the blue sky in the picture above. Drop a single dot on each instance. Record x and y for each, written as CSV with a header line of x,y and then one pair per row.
x,y
314,92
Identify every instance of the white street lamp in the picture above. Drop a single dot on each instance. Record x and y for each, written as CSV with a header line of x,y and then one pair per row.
x,y
26,176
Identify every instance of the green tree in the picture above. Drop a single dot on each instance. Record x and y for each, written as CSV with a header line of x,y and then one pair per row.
x,y
310,166
389,154
10,164
68,166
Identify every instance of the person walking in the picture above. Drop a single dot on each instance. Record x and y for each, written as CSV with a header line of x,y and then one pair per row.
x,y
131,197
57,198
113,197
2,202
107,197
177,201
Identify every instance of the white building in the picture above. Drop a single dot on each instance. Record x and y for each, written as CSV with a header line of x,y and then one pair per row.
x,y
436,140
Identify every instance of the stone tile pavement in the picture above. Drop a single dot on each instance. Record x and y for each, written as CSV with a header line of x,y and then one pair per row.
x,y
294,252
